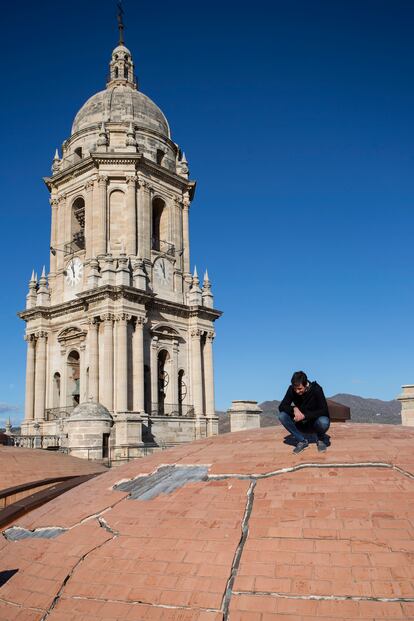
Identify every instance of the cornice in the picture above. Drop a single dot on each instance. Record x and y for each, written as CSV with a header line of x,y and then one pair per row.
x,y
114,293
71,172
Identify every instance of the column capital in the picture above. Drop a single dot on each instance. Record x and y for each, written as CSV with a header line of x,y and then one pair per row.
x,y
196,332
41,334
140,320
30,338
131,180
143,183
62,196
210,334
89,185
107,317
93,322
54,202
154,342
102,179
123,317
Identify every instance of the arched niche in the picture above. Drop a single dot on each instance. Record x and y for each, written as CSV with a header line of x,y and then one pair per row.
x,y
78,224
117,221
73,378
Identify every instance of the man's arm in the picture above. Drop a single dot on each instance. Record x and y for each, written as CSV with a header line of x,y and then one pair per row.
x,y
286,403
321,406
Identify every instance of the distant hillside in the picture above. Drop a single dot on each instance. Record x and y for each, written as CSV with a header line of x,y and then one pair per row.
x,y
362,411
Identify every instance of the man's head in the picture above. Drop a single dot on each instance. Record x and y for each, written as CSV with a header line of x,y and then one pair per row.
x,y
299,382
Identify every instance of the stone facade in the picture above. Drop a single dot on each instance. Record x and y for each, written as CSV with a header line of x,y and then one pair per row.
x,y
120,319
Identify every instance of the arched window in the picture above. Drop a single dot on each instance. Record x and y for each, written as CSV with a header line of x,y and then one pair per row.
x,y
73,379
78,225
116,72
56,390
182,391
163,380
159,223
78,154
160,156
126,72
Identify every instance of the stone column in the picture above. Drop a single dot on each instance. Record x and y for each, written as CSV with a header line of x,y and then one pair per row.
x,y
122,363
106,392
196,375
154,374
40,376
64,378
53,234
174,375
209,374
144,220
138,365
131,241
89,219
63,229
186,233
93,346
30,378
82,373
101,225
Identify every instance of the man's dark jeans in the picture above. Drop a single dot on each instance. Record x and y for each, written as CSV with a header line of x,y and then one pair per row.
x,y
319,426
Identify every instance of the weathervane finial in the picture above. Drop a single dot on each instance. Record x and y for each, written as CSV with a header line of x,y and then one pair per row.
x,y
120,22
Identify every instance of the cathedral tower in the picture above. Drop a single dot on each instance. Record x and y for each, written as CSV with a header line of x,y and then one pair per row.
x,y
120,319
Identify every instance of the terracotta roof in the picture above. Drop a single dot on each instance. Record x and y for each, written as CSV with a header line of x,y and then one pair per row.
x,y
20,465
246,531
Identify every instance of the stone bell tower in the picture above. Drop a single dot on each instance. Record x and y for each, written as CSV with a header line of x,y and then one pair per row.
x,y
120,319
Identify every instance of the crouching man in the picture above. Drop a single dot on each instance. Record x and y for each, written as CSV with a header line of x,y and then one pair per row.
x,y
304,410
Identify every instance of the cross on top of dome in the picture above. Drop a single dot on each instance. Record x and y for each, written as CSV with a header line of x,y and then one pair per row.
x,y
121,67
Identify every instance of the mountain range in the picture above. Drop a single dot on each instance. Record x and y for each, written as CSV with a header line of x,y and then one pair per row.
x,y
362,411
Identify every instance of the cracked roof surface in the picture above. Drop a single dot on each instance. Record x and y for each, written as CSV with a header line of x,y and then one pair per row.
x,y
20,465
266,535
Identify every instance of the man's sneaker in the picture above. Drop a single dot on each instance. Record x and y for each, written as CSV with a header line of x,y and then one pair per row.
x,y
321,446
301,446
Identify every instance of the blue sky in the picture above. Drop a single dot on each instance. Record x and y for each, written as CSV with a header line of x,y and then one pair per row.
x,y
296,118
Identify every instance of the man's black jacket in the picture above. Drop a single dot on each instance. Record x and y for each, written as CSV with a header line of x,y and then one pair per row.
x,y
312,403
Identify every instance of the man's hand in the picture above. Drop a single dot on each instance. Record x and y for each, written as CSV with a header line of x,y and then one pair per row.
x,y
297,415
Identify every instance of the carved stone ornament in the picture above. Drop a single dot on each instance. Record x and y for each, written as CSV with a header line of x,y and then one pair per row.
x,y
140,321
123,317
93,322
62,197
107,317
41,334
196,332
186,199
54,202
210,336
102,179
89,185
30,338
71,336
131,180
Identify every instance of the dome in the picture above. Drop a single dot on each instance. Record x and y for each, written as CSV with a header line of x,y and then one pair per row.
x,y
90,411
121,104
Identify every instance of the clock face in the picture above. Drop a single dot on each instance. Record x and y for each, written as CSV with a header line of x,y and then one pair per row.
x,y
163,272
74,270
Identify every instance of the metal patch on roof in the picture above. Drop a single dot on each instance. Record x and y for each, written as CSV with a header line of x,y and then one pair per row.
x,y
16,533
164,481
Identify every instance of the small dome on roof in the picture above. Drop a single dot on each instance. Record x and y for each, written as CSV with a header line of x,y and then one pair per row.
x,y
90,411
